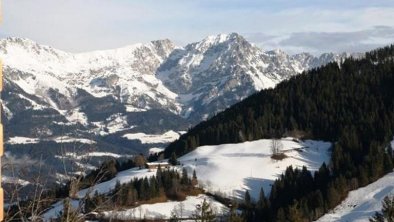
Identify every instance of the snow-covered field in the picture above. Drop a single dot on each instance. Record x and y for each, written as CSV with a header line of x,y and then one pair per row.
x,y
67,139
78,156
167,137
123,177
183,209
229,169
22,140
233,168
362,203
154,150
61,139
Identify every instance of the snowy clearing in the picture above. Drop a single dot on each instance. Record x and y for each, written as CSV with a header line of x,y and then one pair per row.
x,y
362,203
123,177
163,210
250,165
230,169
22,140
153,138
155,150
78,156
67,139
61,139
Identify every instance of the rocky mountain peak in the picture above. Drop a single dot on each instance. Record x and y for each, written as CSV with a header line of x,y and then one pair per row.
x,y
194,81
163,47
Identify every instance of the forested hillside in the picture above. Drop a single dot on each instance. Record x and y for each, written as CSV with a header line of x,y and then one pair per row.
x,y
350,104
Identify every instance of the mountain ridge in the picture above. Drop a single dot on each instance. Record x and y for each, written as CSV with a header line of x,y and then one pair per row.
x,y
146,66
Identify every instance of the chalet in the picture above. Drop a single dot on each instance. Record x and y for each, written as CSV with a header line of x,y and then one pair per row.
x,y
155,166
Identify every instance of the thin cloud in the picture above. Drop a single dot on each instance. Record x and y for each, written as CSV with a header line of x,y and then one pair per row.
x,y
357,41
75,25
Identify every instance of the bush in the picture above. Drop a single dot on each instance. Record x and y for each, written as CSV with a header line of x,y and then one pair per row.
x,y
278,156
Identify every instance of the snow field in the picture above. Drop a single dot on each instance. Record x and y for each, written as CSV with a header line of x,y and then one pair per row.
x,y
167,137
61,139
233,168
230,169
184,209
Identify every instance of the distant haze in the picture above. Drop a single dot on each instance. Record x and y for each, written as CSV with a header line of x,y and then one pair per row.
x,y
294,26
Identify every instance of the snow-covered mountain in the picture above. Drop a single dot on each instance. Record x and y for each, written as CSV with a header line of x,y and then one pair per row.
x,y
150,88
218,71
194,81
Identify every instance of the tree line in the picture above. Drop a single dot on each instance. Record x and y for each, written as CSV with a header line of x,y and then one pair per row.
x,y
165,185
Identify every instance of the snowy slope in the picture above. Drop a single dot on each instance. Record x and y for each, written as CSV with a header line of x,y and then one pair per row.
x,y
148,211
250,165
123,177
231,169
362,203
167,137
164,210
126,72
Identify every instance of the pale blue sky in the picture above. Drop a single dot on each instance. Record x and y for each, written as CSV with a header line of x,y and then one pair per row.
x,y
315,26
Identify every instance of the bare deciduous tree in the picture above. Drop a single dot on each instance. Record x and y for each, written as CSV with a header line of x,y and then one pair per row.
x,y
276,146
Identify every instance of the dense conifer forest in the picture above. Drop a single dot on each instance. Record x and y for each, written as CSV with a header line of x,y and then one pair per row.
x,y
350,104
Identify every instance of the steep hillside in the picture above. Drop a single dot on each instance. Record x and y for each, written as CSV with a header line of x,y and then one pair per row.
x,y
350,104
320,103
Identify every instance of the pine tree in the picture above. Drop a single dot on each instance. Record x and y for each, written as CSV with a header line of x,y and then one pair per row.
x,y
387,164
281,216
333,197
194,179
247,198
204,212
173,160
248,212
294,214
184,179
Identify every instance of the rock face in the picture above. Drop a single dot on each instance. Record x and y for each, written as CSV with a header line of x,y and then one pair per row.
x,y
149,88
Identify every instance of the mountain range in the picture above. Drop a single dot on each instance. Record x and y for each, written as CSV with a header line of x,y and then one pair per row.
x,y
53,100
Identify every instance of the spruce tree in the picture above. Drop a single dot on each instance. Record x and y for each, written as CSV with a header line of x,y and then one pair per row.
x,y
173,160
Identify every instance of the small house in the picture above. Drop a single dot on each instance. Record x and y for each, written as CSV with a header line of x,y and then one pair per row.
x,y
155,165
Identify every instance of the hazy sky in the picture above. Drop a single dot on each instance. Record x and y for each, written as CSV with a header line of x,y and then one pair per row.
x,y
293,25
